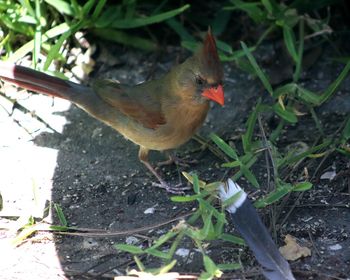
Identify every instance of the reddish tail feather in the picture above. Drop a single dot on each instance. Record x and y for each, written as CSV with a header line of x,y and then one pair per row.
x,y
39,82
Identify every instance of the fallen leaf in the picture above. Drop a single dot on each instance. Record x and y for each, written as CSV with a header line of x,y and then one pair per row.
x,y
292,250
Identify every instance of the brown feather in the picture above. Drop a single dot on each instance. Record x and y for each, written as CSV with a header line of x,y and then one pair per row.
x,y
140,107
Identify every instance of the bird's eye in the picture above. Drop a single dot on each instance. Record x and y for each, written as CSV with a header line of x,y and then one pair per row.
x,y
199,81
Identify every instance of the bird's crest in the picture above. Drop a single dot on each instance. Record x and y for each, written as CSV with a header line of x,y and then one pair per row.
x,y
209,55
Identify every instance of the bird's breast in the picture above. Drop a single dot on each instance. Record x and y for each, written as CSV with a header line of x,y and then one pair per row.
x,y
182,122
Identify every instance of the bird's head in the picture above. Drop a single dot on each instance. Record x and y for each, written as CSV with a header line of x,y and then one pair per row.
x,y
203,72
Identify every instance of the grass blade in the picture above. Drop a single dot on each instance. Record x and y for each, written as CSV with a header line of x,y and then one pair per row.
x,y
233,239
286,114
300,187
61,6
124,38
248,135
334,86
28,47
138,22
289,40
299,63
257,69
60,215
249,176
224,146
274,196
180,30
99,7
129,248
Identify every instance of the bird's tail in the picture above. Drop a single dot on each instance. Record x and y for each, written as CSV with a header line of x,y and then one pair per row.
x,y
39,82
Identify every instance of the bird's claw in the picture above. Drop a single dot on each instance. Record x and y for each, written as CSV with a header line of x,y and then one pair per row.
x,y
177,189
177,161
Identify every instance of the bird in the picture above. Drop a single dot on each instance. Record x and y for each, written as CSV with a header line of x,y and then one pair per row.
x,y
160,114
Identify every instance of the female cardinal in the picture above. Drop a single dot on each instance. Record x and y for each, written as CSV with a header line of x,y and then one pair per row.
x,y
156,115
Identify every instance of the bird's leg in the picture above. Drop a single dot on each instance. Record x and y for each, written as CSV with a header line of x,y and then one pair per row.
x,y
143,156
173,159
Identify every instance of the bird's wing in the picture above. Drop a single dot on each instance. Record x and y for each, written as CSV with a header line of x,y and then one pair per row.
x,y
139,106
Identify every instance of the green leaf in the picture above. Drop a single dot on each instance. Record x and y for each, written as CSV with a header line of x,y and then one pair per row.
x,y
268,6
158,254
300,187
24,234
248,135
87,8
251,8
164,238
76,8
61,6
229,266
262,76
37,34
209,265
285,90
55,50
180,30
166,268
289,40
249,176
298,66
224,47
308,96
139,264
231,164
125,38
274,196
60,214
248,165
108,17
196,184
99,7
205,276
60,228
232,199
235,56
28,6
187,198
233,239
220,21
334,86
346,131
209,208
224,146
129,248
286,114
28,47
138,22
189,178
208,232
190,45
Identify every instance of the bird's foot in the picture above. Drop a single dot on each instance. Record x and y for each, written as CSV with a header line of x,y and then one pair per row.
x,y
177,189
173,159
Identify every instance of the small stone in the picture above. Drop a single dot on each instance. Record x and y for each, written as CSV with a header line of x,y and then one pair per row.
x,y
150,210
131,240
335,247
182,252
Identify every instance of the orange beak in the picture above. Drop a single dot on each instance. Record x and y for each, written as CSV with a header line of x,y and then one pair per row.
x,y
215,94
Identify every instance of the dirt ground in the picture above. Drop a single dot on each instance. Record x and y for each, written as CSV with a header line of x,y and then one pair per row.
x,y
94,174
